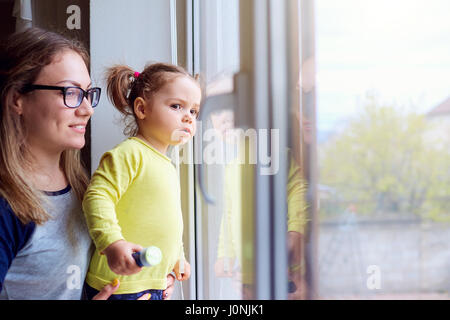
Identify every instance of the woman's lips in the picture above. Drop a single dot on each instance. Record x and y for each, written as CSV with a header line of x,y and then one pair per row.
x,y
80,128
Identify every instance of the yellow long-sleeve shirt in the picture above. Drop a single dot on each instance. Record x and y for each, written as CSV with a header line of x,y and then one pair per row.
x,y
134,195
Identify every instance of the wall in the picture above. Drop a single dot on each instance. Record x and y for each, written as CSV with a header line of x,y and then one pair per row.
x,y
133,33
7,21
52,15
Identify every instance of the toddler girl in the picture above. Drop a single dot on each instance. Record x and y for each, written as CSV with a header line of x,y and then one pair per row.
x,y
133,200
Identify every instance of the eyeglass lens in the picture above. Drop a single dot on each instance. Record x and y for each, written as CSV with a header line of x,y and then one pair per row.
x,y
74,97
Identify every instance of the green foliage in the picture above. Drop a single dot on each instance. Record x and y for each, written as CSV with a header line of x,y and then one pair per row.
x,y
384,161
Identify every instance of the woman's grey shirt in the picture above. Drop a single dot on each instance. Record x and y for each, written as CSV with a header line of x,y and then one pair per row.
x,y
53,262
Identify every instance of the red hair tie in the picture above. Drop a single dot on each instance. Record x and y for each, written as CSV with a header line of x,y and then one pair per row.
x,y
136,74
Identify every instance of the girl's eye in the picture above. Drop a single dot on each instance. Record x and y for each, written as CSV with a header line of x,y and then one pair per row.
x,y
194,112
175,106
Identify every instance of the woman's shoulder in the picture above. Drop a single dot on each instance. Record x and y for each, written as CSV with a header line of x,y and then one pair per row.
x,y
4,206
10,221
6,212
14,235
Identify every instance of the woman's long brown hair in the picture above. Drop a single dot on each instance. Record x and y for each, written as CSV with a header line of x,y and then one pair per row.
x,y
22,57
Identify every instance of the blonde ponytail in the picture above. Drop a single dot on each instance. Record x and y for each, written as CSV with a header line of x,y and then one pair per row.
x,y
119,79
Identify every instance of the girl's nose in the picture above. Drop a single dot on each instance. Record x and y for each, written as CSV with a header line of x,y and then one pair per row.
x,y
187,117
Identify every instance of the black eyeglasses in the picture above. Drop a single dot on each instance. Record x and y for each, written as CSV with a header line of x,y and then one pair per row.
x,y
73,96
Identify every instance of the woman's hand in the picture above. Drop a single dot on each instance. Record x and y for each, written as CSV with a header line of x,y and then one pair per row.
x,y
109,289
120,259
167,294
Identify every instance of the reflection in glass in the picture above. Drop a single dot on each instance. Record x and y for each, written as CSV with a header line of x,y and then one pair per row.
x,y
301,222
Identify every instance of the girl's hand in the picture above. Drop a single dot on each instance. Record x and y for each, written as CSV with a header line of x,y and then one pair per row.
x,y
182,270
120,259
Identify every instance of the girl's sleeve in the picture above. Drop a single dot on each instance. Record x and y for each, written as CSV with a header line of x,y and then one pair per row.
x,y
109,182
13,237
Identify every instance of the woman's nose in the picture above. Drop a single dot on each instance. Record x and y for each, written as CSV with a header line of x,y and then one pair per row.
x,y
85,108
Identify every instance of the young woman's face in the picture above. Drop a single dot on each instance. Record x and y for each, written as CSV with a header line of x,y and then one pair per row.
x,y
173,112
50,125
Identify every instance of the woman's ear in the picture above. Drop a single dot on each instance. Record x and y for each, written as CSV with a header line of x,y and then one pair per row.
x,y
17,102
140,108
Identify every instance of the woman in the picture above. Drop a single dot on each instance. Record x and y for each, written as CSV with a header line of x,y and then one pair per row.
x,y
46,102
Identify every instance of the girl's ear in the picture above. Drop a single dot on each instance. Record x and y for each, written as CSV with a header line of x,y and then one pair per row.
x,y
140,108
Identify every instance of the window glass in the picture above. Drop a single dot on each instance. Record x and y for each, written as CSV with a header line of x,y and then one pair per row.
x,y
219,248
383,141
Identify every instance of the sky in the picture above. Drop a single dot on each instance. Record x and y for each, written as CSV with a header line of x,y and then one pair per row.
x,y
399,49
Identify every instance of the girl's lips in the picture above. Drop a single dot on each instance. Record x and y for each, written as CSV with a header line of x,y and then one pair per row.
x,y
186,130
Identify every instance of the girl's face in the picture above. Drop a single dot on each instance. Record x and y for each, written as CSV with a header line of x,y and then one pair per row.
x,y
50,125
172,113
